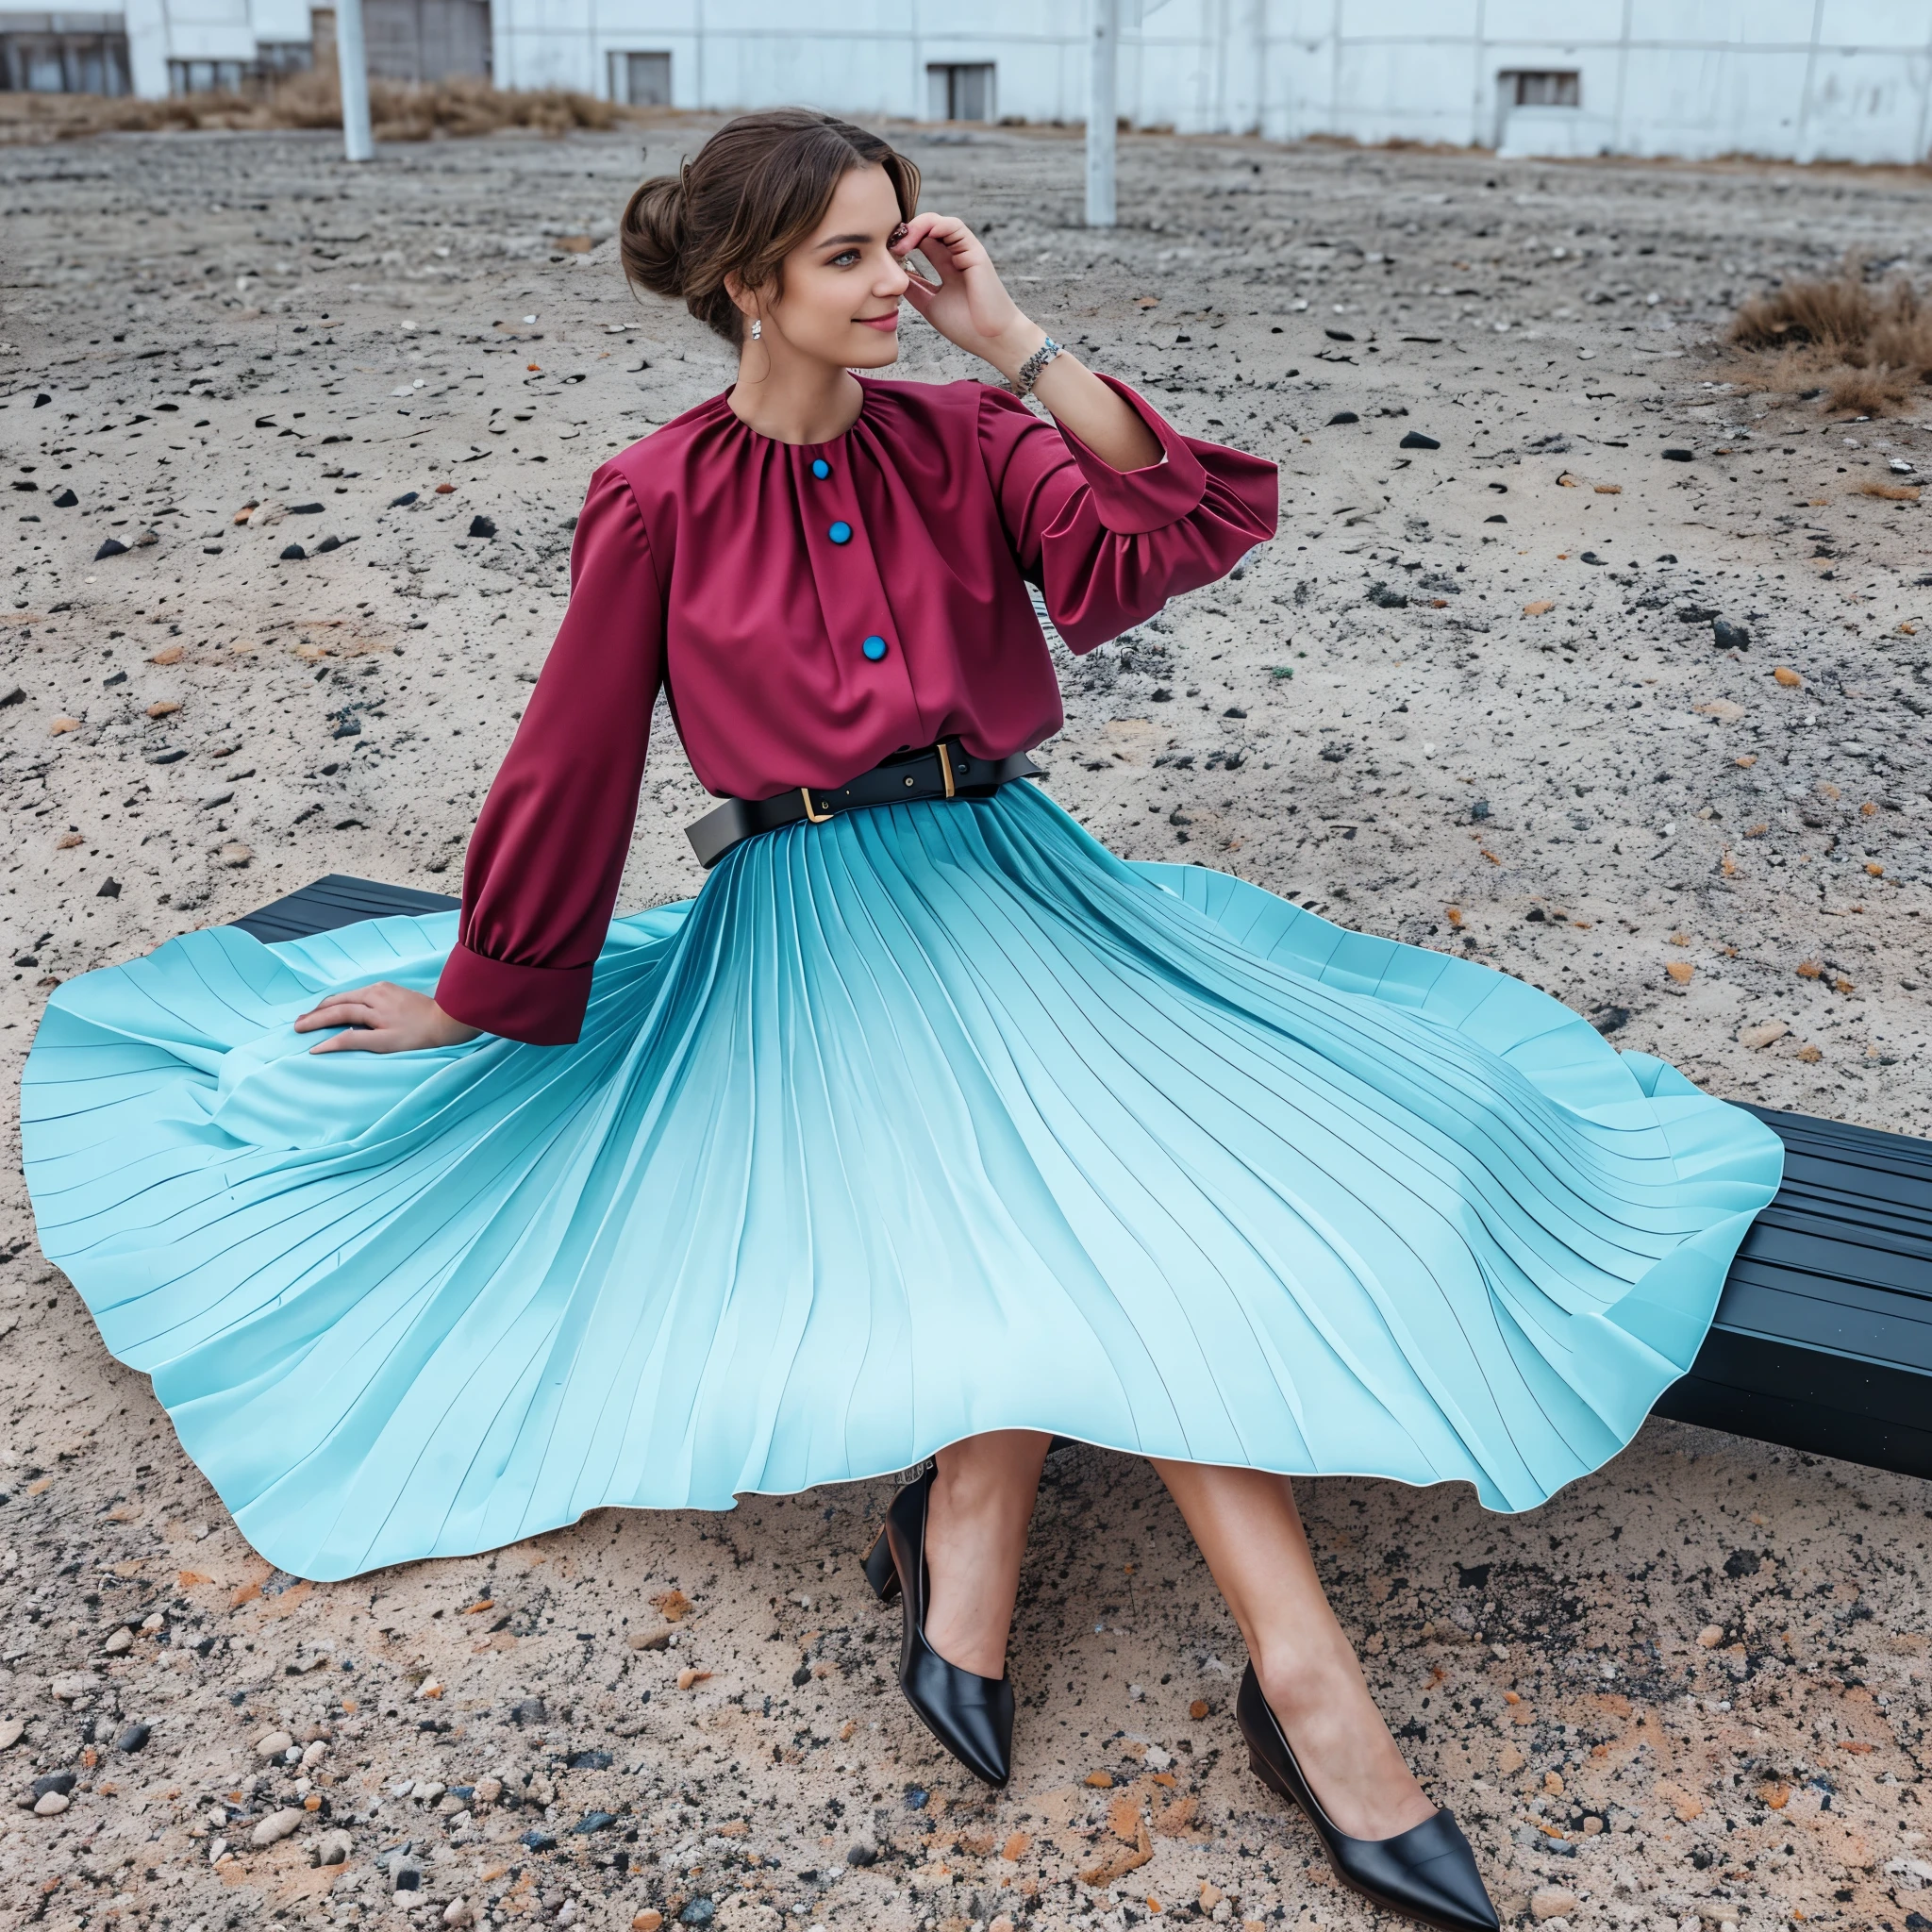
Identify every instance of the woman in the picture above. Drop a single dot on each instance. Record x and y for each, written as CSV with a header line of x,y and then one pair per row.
x,y
927,1127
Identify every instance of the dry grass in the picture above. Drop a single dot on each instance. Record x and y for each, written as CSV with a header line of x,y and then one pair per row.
x,y
446,108
1892,492
1867,348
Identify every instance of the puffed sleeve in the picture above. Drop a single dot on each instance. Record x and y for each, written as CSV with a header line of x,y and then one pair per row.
x,y
548,852
1109,547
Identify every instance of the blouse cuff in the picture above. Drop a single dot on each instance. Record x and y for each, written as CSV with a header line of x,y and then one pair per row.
x,y
543,1005
1132,502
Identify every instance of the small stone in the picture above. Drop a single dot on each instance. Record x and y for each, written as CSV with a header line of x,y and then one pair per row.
x,y
1712,1636
1344,416
1730,636
1680,455
700,1911
647,1921
459,1912
689,1676
112,547
62,1782
1509,1760
403,502
863,1855
293,553
278,1825
482,526
146,538
488,1791
122,1639
1681,971
537,1842
235,855
594,1821
12,1730
51,1803
1541,608
1763,1034
264,514
650,1639
1552,1902
1788,678
211,799
272,1743
62,723
333,1848
66,500
14,697
1416,439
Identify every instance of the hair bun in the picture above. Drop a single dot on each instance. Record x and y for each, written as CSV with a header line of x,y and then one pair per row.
x,y
652,236
752,193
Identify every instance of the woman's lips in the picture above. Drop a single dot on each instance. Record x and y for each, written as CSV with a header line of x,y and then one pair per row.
x,y
884,324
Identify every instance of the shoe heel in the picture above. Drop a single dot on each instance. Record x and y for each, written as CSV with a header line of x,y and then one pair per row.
x,y
880,1571
1273,1779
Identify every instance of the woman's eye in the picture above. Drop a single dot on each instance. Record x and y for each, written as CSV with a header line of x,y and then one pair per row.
x,y
845,257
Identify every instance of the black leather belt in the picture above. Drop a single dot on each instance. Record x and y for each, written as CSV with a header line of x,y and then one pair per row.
x,y
939,771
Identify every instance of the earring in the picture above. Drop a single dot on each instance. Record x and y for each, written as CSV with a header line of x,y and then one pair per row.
x,y
757,329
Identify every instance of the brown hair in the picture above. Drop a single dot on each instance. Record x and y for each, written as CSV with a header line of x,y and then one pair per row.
x,y
758,187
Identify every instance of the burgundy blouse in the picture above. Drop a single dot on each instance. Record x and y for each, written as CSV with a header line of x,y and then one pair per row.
x,y
811,609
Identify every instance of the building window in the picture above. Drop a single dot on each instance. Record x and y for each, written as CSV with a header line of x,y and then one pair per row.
x,y
640,80
1545,89
278,57
210,76
65,54
959,92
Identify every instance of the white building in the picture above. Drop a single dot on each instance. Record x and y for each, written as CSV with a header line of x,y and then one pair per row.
x,y
1805,79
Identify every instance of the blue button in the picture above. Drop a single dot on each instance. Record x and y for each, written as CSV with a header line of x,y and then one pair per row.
x,y
819,468
839,533
875,648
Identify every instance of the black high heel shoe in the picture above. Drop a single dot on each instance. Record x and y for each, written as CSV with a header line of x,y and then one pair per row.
x,y
972,1717
1427,1873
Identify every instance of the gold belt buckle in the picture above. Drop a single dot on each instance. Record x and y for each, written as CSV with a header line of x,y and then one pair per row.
x,y
945,765
818,818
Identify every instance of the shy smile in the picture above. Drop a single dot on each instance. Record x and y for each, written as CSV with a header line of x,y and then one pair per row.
x,y
884,324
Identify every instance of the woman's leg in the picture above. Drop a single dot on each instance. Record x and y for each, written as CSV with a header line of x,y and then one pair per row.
x,y
1249,1530
982,1501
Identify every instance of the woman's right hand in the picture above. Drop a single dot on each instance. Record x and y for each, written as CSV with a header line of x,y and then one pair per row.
x,y
383,1018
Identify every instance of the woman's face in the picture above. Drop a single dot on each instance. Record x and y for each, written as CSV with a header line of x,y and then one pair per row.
x,y
842,283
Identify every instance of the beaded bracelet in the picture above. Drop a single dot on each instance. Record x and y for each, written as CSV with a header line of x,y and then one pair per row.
x,y
1022,385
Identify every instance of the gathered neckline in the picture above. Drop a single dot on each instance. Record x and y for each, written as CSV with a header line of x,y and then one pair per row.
x,y
778,441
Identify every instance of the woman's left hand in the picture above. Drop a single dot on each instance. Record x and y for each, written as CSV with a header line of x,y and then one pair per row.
x,y
968,303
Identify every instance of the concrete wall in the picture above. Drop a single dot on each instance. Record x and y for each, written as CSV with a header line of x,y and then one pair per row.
x,y
1809,79
1812,80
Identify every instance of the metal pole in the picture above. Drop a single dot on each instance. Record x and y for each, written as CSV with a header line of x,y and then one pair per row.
x,y
352,75
1103,93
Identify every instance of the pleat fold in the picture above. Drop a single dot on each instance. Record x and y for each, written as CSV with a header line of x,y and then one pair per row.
x,y
934,1119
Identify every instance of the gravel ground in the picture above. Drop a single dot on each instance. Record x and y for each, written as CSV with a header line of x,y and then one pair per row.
x,y
1467,698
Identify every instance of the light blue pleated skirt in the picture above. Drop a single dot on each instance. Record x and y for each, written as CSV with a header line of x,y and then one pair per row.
x,y
933,1119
